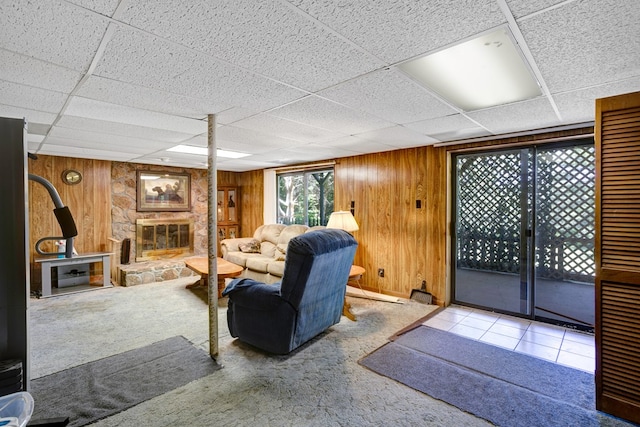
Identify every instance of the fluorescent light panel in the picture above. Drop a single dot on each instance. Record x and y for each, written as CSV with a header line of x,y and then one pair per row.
x,y
203,151
483,72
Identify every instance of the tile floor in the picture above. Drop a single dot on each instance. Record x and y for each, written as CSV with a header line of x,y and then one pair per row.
x,y
554,343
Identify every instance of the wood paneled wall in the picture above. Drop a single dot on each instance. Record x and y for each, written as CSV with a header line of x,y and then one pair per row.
x,y
89,202
251,185
396,234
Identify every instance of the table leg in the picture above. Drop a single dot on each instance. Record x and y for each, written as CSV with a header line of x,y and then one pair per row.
x,y
346,307
202,282
346,311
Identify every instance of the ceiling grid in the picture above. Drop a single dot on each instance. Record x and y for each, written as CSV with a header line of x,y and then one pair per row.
x,y
290,81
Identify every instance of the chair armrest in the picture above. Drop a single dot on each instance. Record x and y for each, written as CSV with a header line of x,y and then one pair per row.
x,y
252,294
231,245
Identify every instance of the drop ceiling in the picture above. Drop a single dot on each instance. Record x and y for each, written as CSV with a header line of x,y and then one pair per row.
x,y
290,81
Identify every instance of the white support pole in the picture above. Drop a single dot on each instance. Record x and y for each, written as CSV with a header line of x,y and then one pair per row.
x,y
212,222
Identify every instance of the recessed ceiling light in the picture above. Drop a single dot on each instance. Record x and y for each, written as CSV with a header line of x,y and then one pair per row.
x,y
203,151
482,72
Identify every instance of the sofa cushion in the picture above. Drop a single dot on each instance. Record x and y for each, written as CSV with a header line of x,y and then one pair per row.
x,y
269,233
259,263
268,249
281,253
276,268
289,232
251,247
240,258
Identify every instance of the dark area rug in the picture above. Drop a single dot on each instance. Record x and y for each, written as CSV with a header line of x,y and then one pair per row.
x,y
98,389
501,386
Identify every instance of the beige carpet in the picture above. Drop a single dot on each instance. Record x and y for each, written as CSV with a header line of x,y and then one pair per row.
x,y
321,384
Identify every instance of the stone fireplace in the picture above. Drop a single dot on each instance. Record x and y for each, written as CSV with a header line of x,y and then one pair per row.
x,y
163,238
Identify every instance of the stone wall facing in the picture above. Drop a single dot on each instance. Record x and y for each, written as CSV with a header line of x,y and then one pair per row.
x,y
153,271
124,214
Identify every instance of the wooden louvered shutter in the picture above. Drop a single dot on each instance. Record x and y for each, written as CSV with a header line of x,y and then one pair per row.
x,y
617,134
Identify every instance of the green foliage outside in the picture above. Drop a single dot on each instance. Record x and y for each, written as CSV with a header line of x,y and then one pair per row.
x,y
305,197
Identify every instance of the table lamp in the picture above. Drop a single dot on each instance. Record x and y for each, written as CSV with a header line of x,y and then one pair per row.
x,y
343,220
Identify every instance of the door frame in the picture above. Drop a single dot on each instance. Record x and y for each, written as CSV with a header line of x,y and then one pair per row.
x,y
529,233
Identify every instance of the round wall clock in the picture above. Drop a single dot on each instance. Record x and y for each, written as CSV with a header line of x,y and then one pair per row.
x,y
71,177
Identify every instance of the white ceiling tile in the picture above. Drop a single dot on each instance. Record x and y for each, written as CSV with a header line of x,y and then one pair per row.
x,y
124,150
518,116
103,126
34,139
579,106
104,7
56,147
326,152
107,141
397,30
260,141
388,95
98,110
577,45
442,124
268,37
32,116
325,114
148,61
122,93
178,163
296,132
33,98
29,71
240,147
38,128
291,156
169,157
53,31
234,114
32,146
398,136
359,145
520,8
458,134
240,165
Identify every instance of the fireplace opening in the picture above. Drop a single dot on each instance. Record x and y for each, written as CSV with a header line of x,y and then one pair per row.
x,y
163,238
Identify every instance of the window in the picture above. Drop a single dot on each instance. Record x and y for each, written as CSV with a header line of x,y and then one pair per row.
x,y
305,197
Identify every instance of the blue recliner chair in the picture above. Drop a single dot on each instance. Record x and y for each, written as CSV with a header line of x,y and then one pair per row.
x,y
281,317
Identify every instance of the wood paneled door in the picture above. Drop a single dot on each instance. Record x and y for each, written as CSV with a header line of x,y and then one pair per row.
x,y
617,135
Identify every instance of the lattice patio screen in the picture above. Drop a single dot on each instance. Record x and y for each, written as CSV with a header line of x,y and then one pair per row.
x,y
565,214
490,190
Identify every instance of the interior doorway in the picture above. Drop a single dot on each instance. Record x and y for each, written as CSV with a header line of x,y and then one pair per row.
x,y
523,232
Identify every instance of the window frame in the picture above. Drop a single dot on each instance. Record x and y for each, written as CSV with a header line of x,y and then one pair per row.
x,y
306,174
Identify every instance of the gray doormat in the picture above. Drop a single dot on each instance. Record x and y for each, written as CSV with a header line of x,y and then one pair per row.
x,y
501,386
98,389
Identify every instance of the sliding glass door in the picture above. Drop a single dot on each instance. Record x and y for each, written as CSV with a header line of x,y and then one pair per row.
x,y
492,215
565,230
523,232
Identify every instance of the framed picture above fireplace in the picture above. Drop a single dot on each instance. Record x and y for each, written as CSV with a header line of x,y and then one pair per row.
x,y
161,191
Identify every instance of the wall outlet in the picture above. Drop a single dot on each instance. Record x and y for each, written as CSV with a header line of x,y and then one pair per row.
x,y
381,272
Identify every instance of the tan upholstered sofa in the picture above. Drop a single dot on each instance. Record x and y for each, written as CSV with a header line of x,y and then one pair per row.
x,y
262,255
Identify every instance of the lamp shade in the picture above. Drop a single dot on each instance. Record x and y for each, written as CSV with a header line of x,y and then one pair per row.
x,y
343,220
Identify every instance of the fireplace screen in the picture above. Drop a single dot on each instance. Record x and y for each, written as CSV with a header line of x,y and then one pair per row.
x,y
162,238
